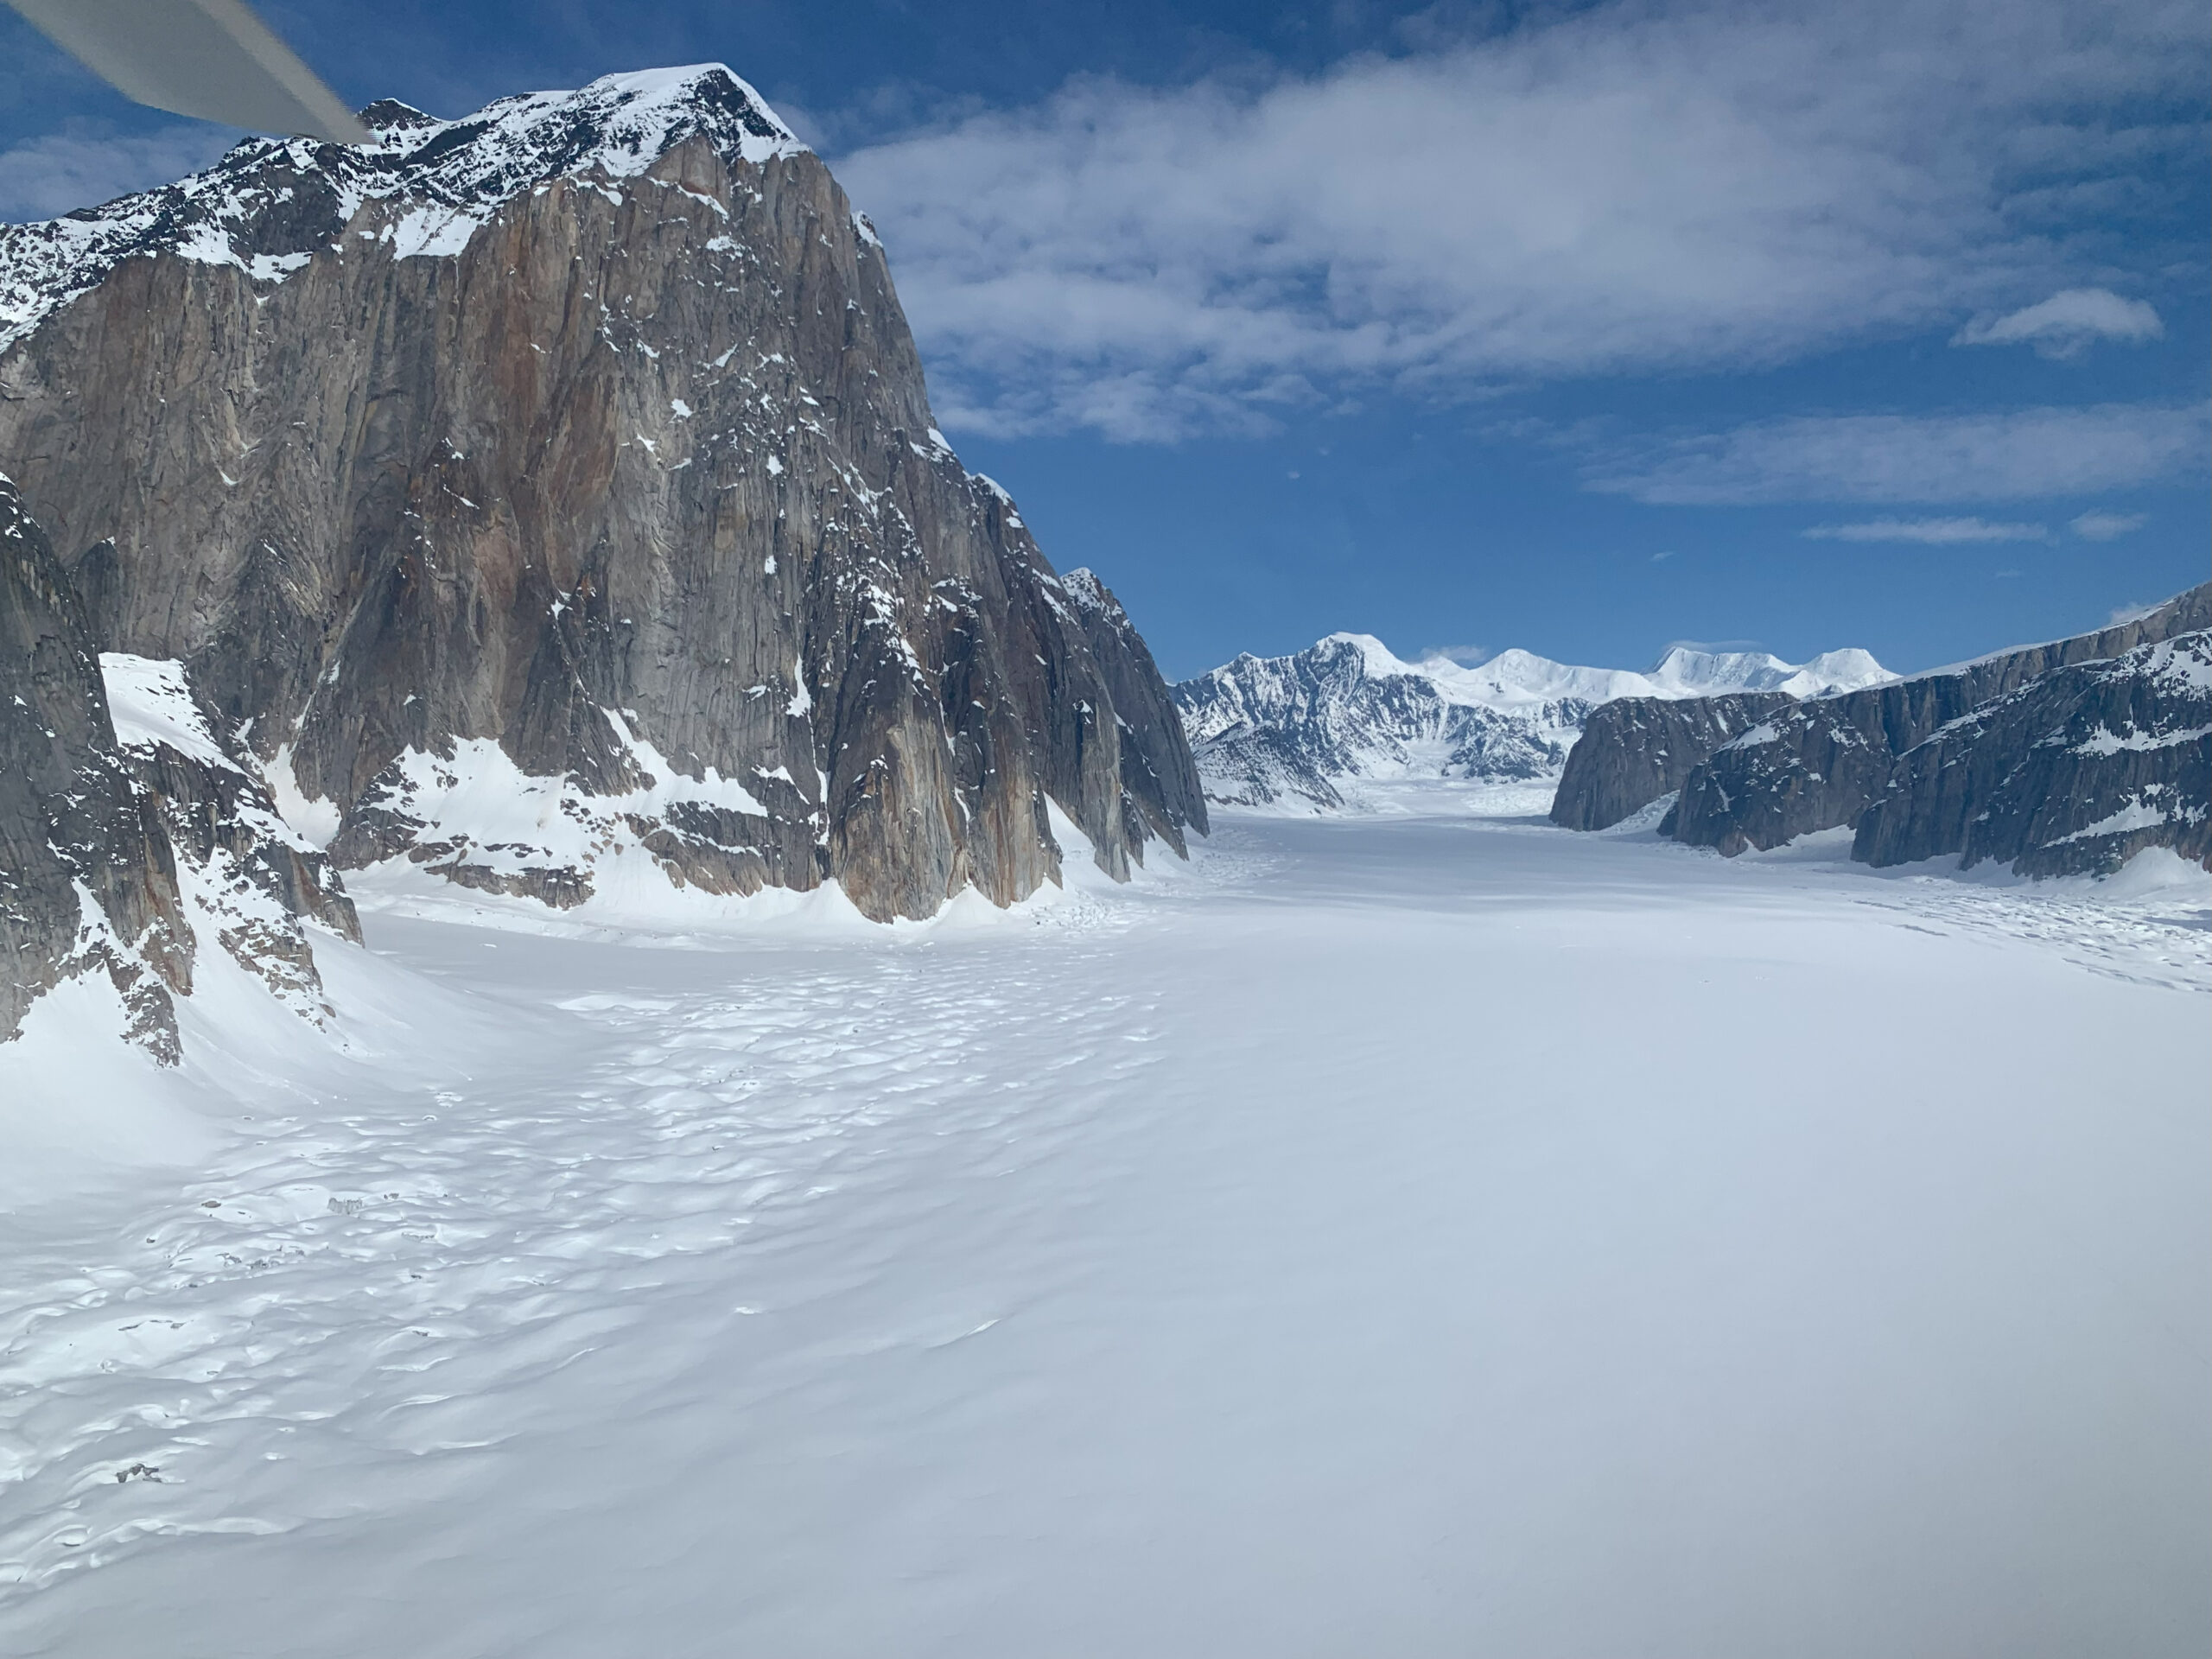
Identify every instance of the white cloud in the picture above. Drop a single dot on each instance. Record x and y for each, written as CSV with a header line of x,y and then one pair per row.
x,y
45,177
2021,454
1626,187
1931,532
2068,322
2107,526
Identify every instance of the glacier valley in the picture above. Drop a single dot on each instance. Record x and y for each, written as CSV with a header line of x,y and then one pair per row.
x,y
1442,1232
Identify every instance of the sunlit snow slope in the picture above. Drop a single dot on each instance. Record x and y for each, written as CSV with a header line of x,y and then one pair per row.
x,y
1403,1237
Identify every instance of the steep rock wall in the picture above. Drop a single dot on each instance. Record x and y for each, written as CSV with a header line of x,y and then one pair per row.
x,y
88,879
1819,764
584,438
1635,751
2072,773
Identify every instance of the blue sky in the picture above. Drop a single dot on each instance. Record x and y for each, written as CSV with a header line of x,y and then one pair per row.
x,y
1583,328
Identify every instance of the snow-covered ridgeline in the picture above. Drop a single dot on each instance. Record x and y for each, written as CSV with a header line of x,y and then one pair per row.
x,y
270,205
1302,731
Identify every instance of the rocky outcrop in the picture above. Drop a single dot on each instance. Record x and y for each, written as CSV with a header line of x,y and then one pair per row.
x,y
2072,773
129,836
249,881
1819,764
557,487
88,881
1635,751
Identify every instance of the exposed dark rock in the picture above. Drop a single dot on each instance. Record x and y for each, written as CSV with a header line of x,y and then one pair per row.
x,y
1160,793
88,879
130,833
583,437
248,878
2072,773
1819,764
1636,750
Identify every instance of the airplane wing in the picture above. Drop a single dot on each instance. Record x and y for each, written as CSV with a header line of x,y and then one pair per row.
x,y
212,59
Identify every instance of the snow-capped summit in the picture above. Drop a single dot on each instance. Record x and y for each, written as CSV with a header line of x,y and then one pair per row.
x,y
1299,730
1685,672
271,204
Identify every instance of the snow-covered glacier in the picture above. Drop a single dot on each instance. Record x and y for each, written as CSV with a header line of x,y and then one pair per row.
x,y
1404,1237
1316,731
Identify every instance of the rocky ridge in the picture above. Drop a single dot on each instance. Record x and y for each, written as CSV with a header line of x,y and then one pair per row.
x,y
1819,766
130,836
2059,758
551,497
1305,732
2072,773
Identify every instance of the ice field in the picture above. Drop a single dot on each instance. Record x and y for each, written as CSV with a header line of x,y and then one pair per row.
x,y
1437,1236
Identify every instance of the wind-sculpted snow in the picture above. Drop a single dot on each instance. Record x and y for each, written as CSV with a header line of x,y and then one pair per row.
x,y
1401,1238
1311,731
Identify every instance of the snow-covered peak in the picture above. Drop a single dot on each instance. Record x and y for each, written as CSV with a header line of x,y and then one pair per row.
x,y
1521,683
1312,727
1518,679
270,205
619,124
1834,672
1083,586
1685,672
1373,655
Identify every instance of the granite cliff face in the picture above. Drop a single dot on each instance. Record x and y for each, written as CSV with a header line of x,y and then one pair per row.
x,y
1635,751
87,878
555,492
1820,764
2074,774
2058,758
130,836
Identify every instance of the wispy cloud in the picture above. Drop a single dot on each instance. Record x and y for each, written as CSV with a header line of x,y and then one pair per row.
x,y
1632,186
85,165
2095,526
1929,532
2068,323
2017,456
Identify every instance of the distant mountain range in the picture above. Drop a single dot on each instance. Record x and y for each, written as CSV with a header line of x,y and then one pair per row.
x,y
1306,732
